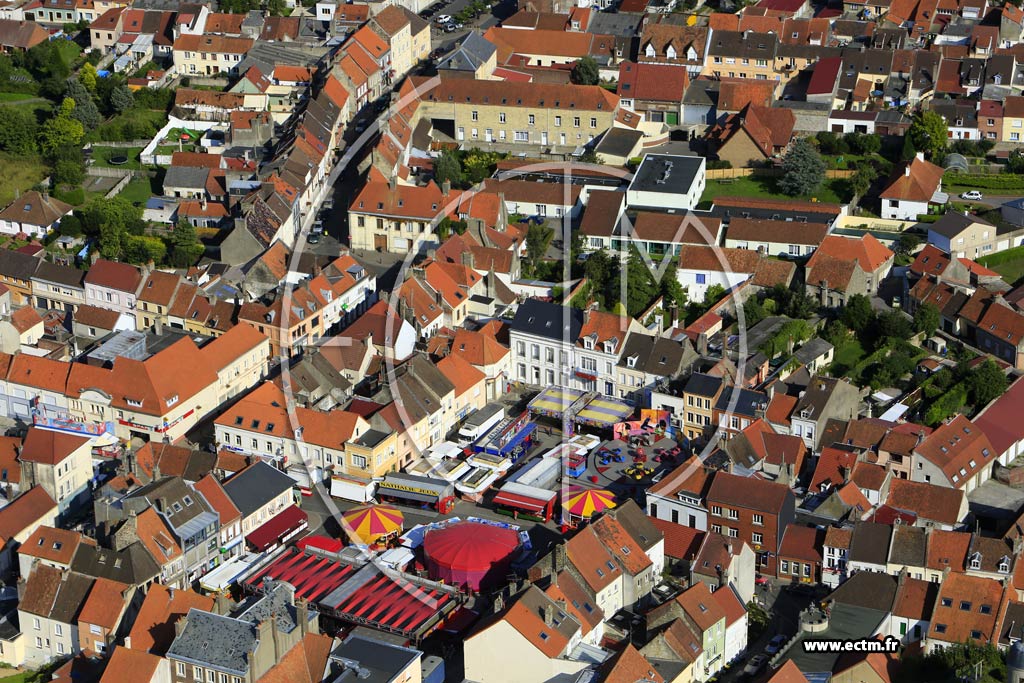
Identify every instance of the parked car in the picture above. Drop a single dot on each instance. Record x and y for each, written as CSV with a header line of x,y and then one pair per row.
x,y
761,581
755,665
449,28
775,644
442,19
973,195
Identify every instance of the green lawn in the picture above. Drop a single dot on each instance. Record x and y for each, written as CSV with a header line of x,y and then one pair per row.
x,y
6,97
102,155
138,191
23,677
134,124
847,356
1009,264
19,174
833,191
1012,271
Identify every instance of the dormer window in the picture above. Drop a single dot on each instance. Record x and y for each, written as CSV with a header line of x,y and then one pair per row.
x,y
588,342
631,361
1004,565
976,561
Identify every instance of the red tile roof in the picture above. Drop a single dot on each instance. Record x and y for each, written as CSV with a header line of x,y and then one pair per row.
x,y
959,449
869,253
652,82
681,542
934,503
105,604
25,511
153,630
917,183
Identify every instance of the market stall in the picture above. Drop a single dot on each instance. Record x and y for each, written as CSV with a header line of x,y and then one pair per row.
x,y
417,491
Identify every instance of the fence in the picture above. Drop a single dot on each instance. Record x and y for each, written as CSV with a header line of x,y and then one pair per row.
x,y
729,173
118,145
119,185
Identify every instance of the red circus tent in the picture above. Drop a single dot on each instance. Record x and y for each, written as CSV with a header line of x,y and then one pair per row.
x,y
470,553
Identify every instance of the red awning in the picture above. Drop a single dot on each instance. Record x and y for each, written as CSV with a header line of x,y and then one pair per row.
x,y
282,525
520,502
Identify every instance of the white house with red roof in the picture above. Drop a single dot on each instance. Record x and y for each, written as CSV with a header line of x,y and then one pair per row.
x,y
957,454
908,194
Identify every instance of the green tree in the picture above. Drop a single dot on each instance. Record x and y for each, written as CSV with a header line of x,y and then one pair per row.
x,y
88,76
1015,162
713,294
61,130
947,404
186,248
478,165
753,312
861,180
140,249
800,305
830,143
858,314
835,333
18,131
589,156
985,383
117,212
277,8
640,286
68,172
585,72
672,289
929,134
906,244
538,237
863,144
907,152
70,226
803,169
891,325
121,98
447,167
926,319
599,269
85,110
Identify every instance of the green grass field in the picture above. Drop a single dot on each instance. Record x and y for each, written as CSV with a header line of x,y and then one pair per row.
x,y
19,174
138,191
832,191
8,97
102,156
847,357
1009,264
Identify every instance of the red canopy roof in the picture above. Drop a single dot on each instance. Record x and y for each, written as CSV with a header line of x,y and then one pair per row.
x,y
470,546
284,523
520,501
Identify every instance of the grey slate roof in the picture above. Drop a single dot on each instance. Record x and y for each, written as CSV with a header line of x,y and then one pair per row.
x,y
473,51
278,602
870,543
813,348
251,488
703,385
132,565
870,590
185,511
909,546
18,266
216,641
375,661
63,275
187,177
544,319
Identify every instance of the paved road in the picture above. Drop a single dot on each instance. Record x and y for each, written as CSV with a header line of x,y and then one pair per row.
x,y
991,200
